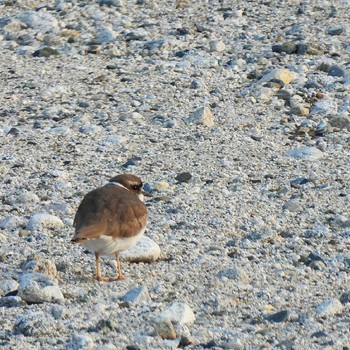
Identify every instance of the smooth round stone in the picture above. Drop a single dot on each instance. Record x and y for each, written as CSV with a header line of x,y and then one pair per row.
x,y
146,250
306,153
217,46
7,286
284,75
44,220
81,342
337,71
329,307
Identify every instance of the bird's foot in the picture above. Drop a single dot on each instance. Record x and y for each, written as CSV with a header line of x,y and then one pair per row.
x,y
110,279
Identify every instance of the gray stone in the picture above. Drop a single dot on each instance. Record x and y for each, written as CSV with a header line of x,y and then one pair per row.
x,y
235,274
34,324
81,342
279,316
145,250
43,266
7,285
324,107
105,35
329,307
39,288
306,153
335,30
136,295
59,312
293,205
341,122
12,301
11,222
44,220
284,75
202,115
46,51
337,71
217,46
42,21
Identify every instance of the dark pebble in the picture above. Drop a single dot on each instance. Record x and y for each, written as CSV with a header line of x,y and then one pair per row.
x,y
283,94
11,301
345,298
132,347
335,30
183,177
185,341
279,316
319,334
336,71
13,131
25,39
115,3
210,345
302,49
83,104
45,52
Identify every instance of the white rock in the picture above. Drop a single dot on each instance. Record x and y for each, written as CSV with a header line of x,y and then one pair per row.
x,y
53,92
44,220
146,250
7,286
11,222
324,107
27,197
81,342
44,266
136,295
38,288
329,307
113,139
306,153
217,46
39,20
179,313
202,115
284,75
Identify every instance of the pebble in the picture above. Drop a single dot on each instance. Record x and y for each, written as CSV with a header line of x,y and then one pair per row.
x,y
11,301
183,177
341,121
336,30
43,220
11,222
179,313
43,266
136,295
145,250
7,285
81,342
34,324
165,329
284,75
202,115
306,153
45,52
39,288
329,307
235,274
337,71
279,316
293,206
217,46
324,107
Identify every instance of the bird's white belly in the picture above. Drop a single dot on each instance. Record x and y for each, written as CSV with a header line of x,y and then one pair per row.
x,y
108,245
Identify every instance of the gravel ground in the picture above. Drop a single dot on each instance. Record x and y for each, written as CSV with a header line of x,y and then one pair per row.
x,y
235,114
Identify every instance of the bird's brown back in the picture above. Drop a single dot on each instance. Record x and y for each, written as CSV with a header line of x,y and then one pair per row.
x,y
109,210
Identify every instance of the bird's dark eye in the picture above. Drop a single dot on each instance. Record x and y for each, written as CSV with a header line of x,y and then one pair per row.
x,y
135,187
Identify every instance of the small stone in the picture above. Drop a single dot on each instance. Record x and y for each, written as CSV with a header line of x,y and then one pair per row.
x,y
7,286
235,274
324,107
34,324
44,266
341,122
300,109
105,35
179,313
11,222
345,298
329,307
289,48
116,3
165,329
284,75
293,205
202,115
217,46
161,186
283,94
186,341
145,250
45,52
278,317
136,295
81,342
113,139
39,288
59,312
24,233
12,301
27,197
234,344
306,153
337,71
183,177
335,30
43,220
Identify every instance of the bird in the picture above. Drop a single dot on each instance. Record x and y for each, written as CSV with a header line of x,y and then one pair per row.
x,y
111,219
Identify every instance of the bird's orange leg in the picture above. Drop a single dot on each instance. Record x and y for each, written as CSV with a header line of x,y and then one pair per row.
x,y
120,275
98,273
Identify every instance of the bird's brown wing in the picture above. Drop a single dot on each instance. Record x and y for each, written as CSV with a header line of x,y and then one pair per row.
x,y
111,211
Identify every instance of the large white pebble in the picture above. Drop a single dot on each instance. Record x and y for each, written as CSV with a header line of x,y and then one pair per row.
x,y
44,220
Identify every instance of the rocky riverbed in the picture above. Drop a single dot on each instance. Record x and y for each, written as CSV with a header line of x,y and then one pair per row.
x,y
235,114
